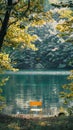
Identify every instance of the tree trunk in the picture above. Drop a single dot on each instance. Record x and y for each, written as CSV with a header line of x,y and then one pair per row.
x,y
4,27
5,22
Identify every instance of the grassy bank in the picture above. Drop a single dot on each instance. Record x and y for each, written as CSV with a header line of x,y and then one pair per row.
x,y
52,123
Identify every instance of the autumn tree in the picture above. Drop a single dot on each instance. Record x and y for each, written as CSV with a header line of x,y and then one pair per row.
x,y
65,29
16,16
11,35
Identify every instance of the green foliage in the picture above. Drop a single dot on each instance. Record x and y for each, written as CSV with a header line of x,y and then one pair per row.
x,y
65,28
2,99
65,31
5,64
20,123
67,93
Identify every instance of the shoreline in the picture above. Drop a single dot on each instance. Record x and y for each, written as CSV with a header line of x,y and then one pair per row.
x,y
20,122
32,116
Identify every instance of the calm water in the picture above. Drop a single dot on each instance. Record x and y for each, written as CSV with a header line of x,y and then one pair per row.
x,y
41,86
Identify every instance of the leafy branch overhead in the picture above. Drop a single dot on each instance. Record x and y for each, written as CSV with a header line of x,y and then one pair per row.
x,y
66,26
9,14
15,19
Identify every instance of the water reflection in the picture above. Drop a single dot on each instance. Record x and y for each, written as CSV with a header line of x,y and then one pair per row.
x,y
22,88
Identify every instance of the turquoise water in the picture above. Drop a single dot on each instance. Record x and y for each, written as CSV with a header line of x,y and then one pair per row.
x,y
26,86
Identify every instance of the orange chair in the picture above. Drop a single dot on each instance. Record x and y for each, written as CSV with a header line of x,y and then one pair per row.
x,y
35,107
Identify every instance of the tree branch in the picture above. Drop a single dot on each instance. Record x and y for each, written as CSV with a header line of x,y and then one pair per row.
x,y
1,20
5,22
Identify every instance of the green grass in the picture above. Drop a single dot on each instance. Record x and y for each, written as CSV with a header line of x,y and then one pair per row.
x,y
53,123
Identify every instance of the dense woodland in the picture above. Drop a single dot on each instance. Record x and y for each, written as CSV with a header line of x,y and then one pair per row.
x,y
17,17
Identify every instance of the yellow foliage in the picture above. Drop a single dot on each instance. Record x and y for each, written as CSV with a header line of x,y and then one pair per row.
x,y
38,23
42,18
3,81
62,109
71,19
5,63
64,27
65,13
14,126
17,36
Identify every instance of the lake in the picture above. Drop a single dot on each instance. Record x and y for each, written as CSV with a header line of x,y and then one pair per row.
x,y
25,86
